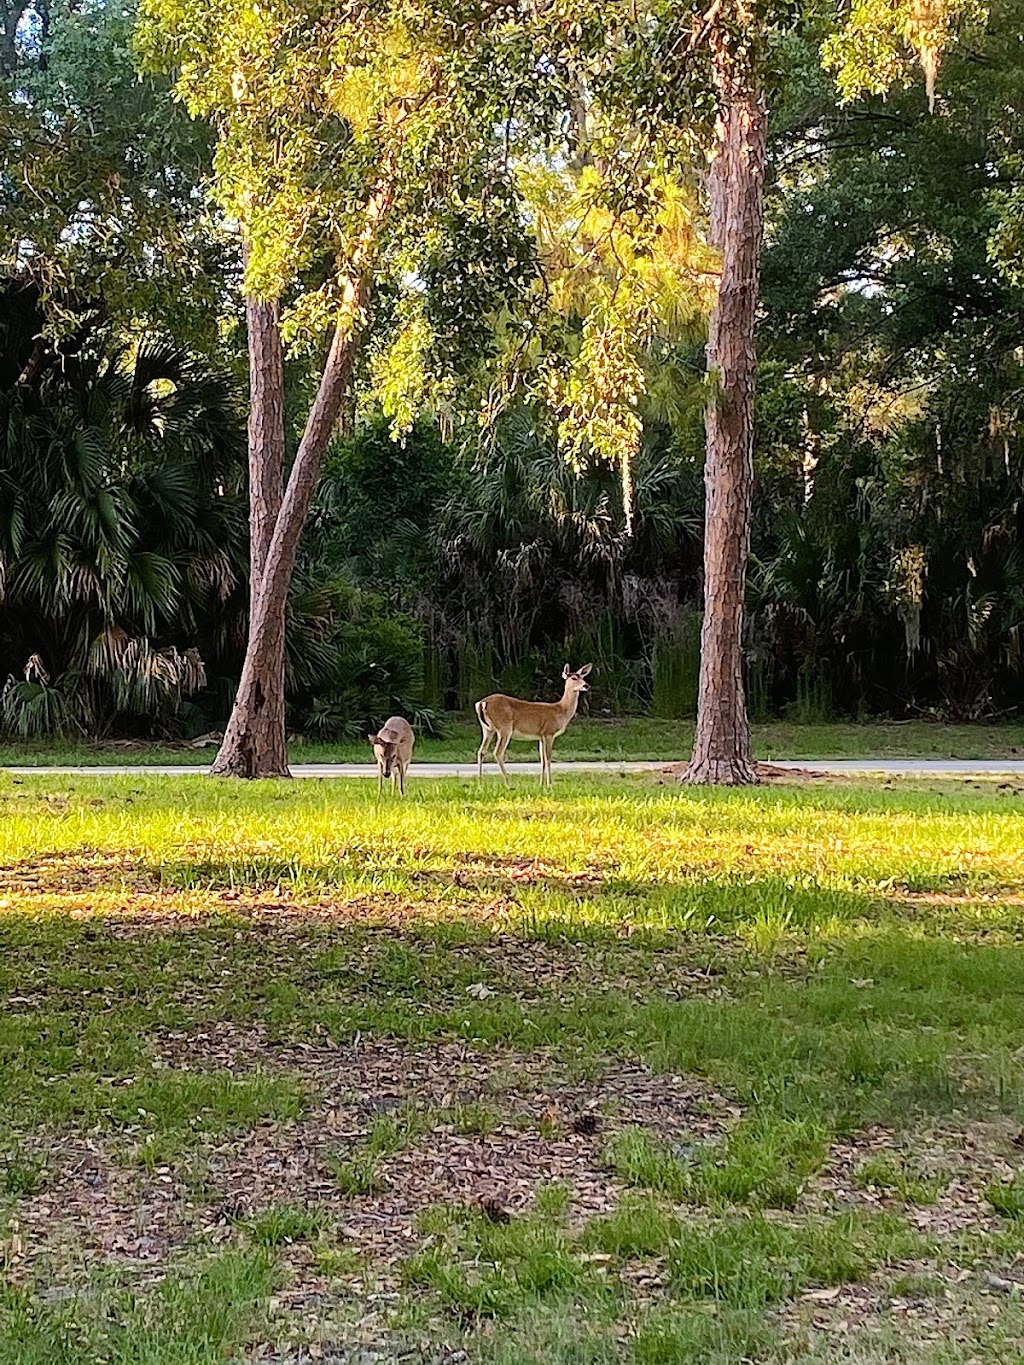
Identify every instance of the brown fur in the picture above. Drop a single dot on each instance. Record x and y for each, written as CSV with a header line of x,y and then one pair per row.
x,y
392,748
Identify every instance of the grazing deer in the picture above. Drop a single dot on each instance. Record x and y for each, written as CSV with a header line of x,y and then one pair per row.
x,y
508,718
392,748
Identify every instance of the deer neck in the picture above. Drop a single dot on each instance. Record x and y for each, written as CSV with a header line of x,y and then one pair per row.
x,y
570,701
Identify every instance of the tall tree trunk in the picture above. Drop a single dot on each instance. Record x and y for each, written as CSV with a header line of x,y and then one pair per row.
x,y
254,743
721,752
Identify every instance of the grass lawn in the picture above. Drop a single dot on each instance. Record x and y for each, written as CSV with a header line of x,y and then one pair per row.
x,y
629,738
623,1073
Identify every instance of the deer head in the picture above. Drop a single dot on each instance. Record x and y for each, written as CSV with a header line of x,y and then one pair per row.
x,y
385,751
574,681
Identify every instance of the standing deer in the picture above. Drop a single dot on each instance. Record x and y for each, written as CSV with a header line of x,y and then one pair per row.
x,y
392,748
508,718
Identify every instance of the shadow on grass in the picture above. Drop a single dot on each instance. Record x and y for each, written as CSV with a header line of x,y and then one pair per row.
x,y
861,1018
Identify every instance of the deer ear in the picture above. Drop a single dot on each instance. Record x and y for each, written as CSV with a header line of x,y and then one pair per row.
x,y
373,738
566,671
585,670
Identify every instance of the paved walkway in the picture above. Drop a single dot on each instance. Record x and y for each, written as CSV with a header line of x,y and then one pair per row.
x,y
896,767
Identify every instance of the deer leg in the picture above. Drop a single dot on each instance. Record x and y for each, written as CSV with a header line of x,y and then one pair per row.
x,y
499,754
543,761
548,743
401,779
482,752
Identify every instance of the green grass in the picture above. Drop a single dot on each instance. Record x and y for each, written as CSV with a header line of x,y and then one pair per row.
x,y
765,1162
22,1173
749,1262
359,1173
670,1336
903,1176
495,1271
281,1224
639,1159
1007,1197
640,1227
589,737
326,1026
197,1316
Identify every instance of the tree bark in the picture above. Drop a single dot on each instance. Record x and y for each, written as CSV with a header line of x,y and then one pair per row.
x,y
254,742
722,752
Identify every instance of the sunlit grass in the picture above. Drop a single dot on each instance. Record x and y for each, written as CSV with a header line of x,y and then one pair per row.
x,y
689,856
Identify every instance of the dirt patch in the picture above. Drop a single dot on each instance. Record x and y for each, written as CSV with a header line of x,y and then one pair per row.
x,y
938,899
484,1130
77,873
475,869
548,1126
766,772
92,1209
934,1301
952,1165
537,1124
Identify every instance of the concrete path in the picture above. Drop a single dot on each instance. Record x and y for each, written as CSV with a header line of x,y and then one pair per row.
x,y
894,767
909,767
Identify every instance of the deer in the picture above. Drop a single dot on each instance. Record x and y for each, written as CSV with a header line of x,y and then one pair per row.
x,y
505,718
392,748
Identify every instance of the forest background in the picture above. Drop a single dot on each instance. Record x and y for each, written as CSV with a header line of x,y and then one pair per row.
x,y
445,557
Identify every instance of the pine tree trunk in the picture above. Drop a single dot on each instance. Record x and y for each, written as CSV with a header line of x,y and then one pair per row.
x,y
254,743
721,752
